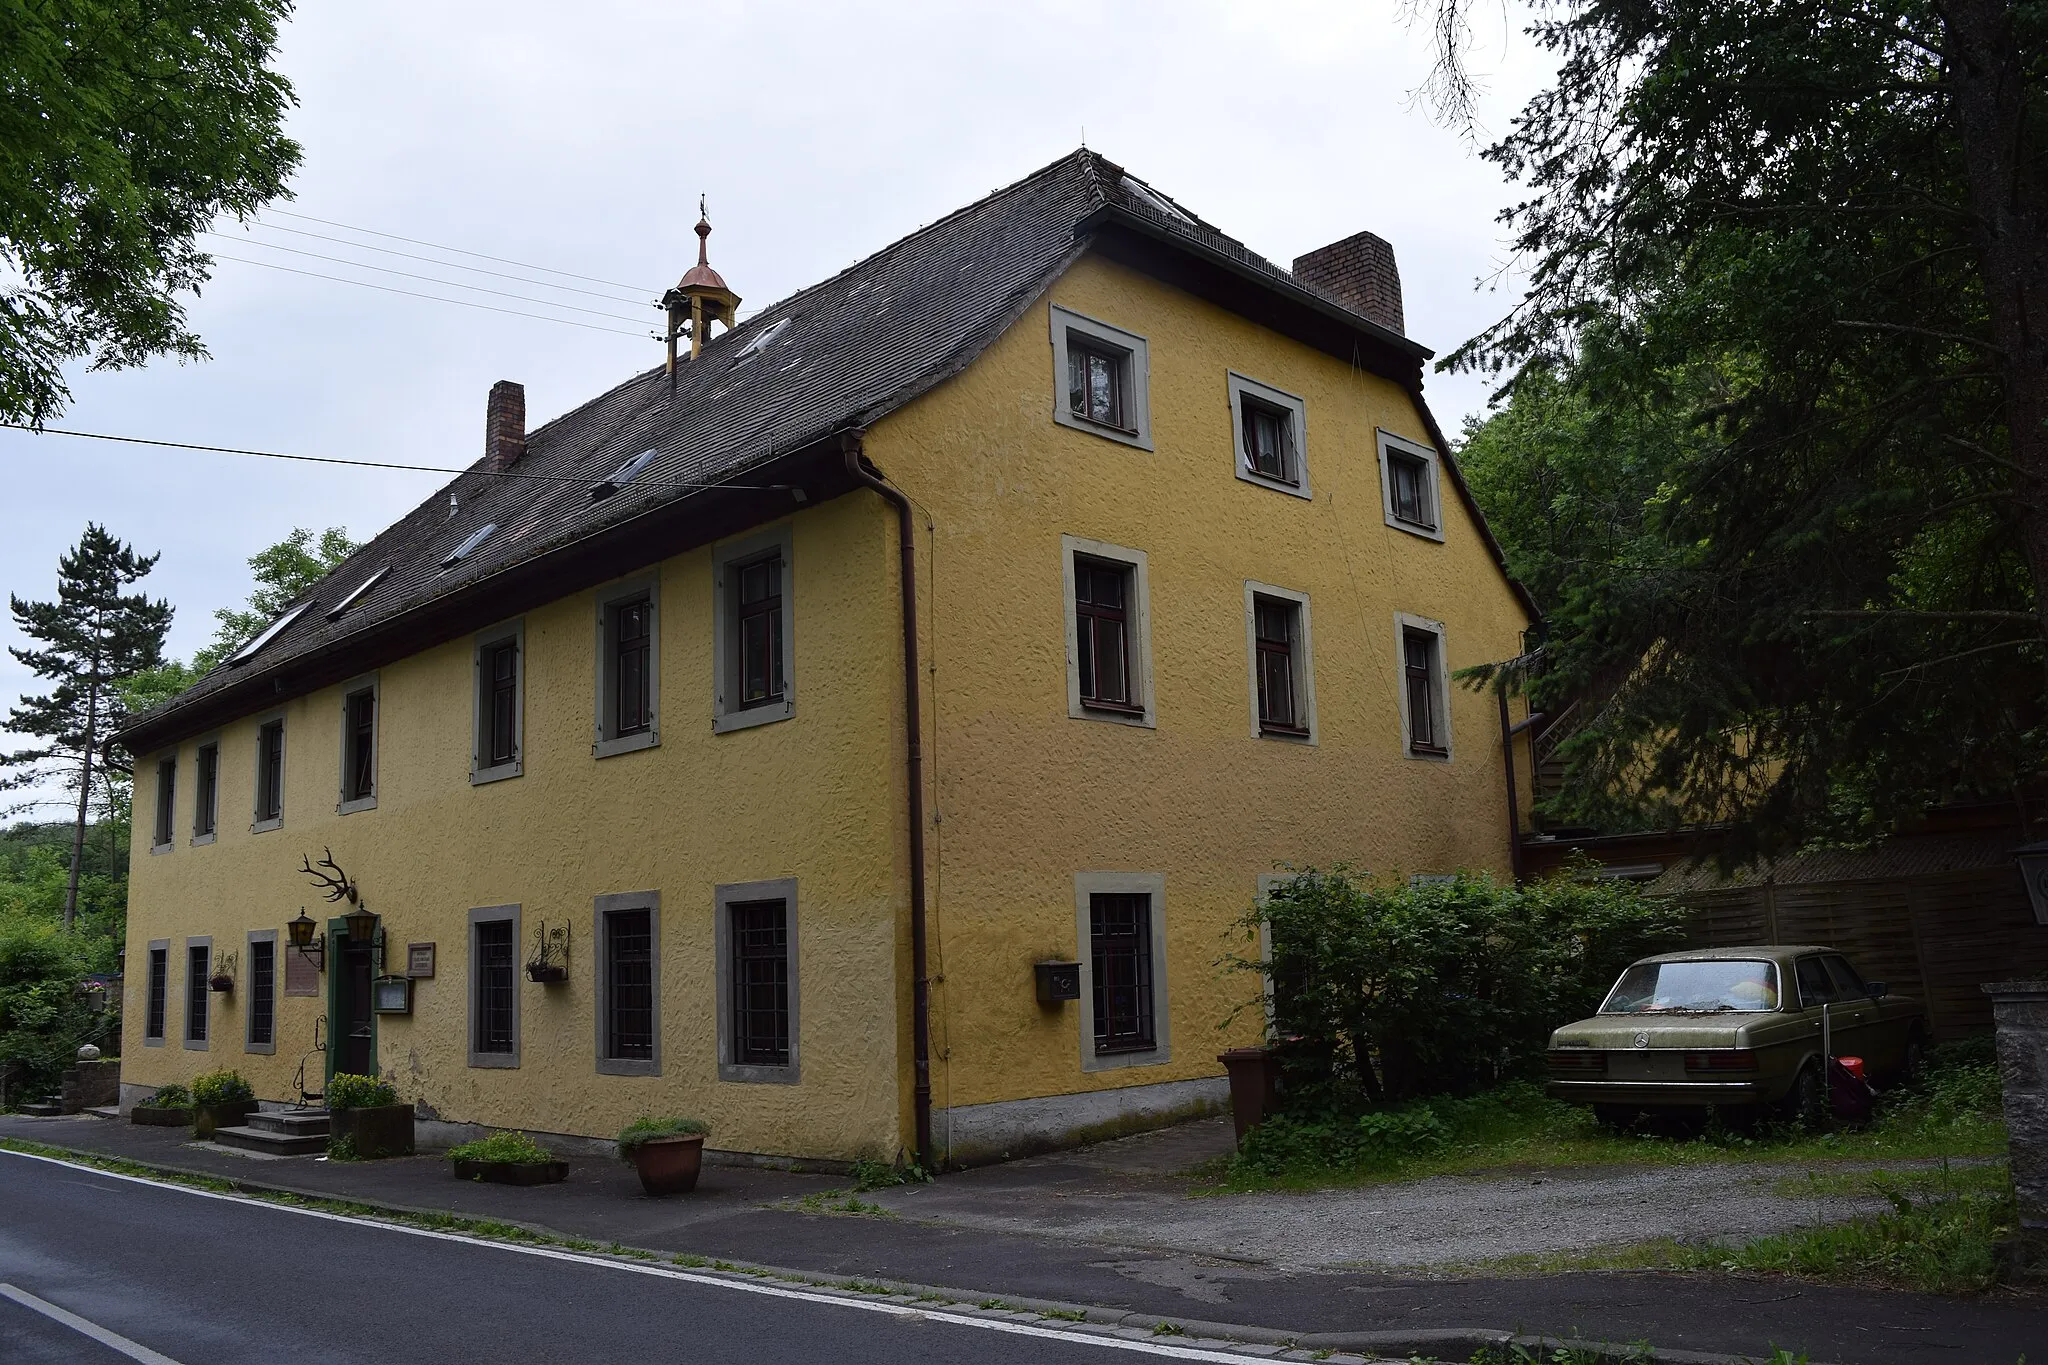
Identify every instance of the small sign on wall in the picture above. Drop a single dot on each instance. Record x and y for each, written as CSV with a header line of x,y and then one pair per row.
x,y
419,961
301,977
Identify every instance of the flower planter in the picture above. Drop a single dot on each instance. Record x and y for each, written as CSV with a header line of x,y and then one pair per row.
x,y
669,1165
513,1172
548,975
220,984
153,1117
378,1131
206,1118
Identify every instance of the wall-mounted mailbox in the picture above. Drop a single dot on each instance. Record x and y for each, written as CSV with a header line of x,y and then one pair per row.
x,y
1058,981
391,995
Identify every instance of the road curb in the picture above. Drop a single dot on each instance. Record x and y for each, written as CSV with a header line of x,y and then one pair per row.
x,y
1429,1344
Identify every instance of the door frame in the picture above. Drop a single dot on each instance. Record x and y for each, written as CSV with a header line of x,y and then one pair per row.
x,y
337,953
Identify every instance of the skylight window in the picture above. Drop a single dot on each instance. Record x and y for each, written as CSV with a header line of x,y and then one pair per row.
x,y
623,475
762,340
469,544
368,583
268,633
1151,198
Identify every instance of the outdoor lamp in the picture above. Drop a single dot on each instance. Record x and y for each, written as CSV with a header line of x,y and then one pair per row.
x,y
361,924
304,942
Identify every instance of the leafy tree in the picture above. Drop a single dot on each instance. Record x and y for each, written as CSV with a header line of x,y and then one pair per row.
x,y
128,128
284,572
43,1018
94,636
1789,260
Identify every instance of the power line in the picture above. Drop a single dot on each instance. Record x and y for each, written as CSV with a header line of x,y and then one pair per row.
x,y
431,279
432,260
583,480
414,293
501,260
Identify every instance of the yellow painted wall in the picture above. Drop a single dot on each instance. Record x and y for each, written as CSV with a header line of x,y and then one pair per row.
x,y
816,797
1027,796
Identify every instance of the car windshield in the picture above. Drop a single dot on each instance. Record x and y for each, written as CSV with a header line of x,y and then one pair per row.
x,y
1694,987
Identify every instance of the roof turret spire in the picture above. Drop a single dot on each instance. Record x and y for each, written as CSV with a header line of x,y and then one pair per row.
x,y
700,298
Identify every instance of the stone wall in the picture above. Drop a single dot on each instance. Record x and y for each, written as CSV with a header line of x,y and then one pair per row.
x,y
90,1085
2021,1011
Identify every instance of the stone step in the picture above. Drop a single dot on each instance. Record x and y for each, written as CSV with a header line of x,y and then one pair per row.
x,y
41,1111
271,1143
104,1111
290,1122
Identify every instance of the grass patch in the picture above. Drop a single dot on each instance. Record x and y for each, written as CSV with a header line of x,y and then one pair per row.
x,y
842,1201
1953,1111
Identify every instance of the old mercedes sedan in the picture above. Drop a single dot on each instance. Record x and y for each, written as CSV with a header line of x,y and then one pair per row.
x,y
1737,1028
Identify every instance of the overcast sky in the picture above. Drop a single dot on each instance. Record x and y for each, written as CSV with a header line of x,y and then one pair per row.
x,y
579,137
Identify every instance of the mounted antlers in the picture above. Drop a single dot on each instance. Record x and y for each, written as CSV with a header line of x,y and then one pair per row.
x,y
339,887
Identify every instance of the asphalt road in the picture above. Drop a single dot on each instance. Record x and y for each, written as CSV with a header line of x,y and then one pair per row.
x,y
195,1279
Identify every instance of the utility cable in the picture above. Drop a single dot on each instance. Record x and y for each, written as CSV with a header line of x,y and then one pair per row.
x,y
460,303
430,279
583,480
430,260
501,260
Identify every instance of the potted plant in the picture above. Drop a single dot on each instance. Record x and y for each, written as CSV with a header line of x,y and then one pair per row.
x,y
667,1153
366,1111
546,973
220,1099
169,1107
220,983
507,1159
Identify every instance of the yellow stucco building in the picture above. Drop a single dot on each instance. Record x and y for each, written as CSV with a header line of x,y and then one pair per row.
x,y
661,809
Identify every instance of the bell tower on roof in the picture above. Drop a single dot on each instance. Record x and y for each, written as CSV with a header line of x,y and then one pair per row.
x,y
700,298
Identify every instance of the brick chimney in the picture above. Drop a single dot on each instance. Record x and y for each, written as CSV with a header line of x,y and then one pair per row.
x,y
505,426
1358,272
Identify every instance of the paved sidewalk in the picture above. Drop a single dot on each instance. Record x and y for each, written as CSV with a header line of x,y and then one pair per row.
x,y
746,1215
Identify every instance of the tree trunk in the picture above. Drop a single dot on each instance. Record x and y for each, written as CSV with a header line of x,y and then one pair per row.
x,y
92,737
2009,199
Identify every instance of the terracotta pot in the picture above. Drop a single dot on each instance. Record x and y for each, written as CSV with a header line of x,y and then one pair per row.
x,y
669,1165
377,1131
206,1118
513,1172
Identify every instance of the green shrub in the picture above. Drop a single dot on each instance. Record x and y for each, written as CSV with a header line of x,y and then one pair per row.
x,y
870,1174
43,1018
1284,1144
221,1087
516,1148
644,1127
342,1149
1390,992
346,1091
172,1096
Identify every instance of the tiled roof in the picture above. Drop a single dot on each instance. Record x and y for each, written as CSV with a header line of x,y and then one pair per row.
x,y
1906,856
842,353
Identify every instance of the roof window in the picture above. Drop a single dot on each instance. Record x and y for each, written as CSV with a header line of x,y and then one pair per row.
x,y
469,544
1153,199
762,340
368,583
623,475
267,634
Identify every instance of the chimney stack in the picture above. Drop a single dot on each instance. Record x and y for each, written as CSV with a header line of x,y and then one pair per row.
x,y
1359,273
505,426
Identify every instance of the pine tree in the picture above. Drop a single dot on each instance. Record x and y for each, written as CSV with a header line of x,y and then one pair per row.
x,y
94,636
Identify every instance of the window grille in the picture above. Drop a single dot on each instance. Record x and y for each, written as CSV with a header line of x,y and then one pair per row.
x,y
760,983
494,986
196,973
1120,931
159,989
262,993
629,996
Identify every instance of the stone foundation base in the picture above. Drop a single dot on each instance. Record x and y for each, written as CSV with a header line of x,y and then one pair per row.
x,y
977,1134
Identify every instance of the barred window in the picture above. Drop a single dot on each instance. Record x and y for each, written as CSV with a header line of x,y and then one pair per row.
x,y
196,972
494,987
159,991
262,992
1120,932
760,983
629,979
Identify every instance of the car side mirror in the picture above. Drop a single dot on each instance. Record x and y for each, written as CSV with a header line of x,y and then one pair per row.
x,y
1876,990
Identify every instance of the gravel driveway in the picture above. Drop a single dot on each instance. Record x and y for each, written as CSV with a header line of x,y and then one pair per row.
x,y
1131,1193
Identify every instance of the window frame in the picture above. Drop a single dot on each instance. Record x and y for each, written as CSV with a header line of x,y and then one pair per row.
x,y
259,822
608,742
724,898
205,793
1088,885
1244,389
151,1003
481,770
250,1042
1138,631
1391,447
199,992
1067,324
602,910
1404,625
163,818
473,989
727,712
1302,661
364,686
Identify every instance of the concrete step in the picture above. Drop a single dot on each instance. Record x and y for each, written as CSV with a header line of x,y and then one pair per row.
x,y
291,1122
104,1111
42,1111
271,1143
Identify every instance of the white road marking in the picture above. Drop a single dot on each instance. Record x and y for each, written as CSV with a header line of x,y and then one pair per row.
x,y
894,1310
134,1350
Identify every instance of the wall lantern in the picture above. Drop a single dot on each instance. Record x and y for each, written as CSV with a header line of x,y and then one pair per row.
x,y
306,941
362,925
2033,861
